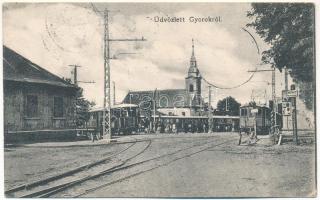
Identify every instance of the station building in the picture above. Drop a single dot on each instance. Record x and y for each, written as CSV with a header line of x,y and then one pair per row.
x,y
172,102
37,103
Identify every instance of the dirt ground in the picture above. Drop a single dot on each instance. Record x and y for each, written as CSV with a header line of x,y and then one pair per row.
x,y
27,164
231,172
226,170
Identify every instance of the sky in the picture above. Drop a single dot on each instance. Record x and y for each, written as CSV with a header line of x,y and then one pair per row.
x,y
57,35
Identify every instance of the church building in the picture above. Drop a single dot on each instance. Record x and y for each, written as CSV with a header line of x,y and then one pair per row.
x,y
175,102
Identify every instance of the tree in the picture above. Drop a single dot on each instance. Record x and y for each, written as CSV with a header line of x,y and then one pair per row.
x,y
228,106
289,30
82,108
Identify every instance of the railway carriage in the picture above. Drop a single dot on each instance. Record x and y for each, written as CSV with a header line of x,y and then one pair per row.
x,y
175,124
261,119
124,119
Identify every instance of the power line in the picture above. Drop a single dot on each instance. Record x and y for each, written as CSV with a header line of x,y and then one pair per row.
x,y
246,81
228,88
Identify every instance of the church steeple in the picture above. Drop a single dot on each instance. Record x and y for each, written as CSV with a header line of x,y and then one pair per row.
x,y
193,81
193,58
193,70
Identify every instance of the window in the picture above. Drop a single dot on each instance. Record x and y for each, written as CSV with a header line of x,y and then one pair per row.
x,y
58,107
243,112
183,113
190,88
32,106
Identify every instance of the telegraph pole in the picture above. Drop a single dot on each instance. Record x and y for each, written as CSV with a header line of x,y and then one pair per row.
x,y
210,111
286,78
75,82
227,104
293,95
286,89
75,74
275,105
114,93
107,95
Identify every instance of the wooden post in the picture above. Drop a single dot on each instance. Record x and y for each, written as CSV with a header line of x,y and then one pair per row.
x,y
294,120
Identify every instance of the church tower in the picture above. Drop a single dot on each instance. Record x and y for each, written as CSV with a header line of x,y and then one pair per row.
x,y
193,80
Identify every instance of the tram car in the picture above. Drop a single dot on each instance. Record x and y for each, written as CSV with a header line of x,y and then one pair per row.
x,y
124,119
262,119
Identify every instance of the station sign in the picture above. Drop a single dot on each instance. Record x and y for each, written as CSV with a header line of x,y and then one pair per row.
x,y
292,93
289,93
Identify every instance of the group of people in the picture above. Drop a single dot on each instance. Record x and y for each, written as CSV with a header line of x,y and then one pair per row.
x,y
173,126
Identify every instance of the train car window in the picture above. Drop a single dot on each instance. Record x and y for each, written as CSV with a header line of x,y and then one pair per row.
x,y
260,111
249,113
133,112
242,113
123,113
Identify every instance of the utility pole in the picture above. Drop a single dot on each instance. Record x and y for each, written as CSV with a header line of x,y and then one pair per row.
x,y
210,111
293,97
75,82
275,104
75,73
106,54
286,78
294,120
227,104
154,109
286,89
114,93
106,97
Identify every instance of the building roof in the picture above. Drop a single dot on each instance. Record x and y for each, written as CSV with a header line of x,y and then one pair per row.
x,y
168,98
20,69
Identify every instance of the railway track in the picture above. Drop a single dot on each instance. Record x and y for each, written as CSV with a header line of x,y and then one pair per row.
x,y
136,168
123,163
75,176
152,164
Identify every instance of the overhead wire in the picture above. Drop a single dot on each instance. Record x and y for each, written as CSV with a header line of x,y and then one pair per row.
x,y
243,83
